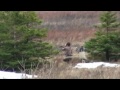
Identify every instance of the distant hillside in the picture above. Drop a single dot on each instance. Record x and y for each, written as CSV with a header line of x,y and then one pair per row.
x,y
74,20
73,26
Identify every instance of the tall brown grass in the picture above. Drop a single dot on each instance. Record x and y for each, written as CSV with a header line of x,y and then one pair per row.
x,y
62,70
66,71
73,36
75,27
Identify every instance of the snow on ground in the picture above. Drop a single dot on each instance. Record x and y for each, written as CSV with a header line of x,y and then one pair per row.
x,y
13,75
95,65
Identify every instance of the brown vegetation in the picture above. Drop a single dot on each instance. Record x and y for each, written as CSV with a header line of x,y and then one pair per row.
x,y
73,26
68,72
76,27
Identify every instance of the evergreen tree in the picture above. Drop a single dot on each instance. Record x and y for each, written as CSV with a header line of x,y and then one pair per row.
x,y
21,40
107,37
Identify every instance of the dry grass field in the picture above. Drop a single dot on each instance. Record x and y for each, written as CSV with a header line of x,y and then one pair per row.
x,y
75,27
68,72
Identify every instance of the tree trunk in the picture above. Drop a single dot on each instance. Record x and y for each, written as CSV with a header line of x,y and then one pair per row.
x,y
107,55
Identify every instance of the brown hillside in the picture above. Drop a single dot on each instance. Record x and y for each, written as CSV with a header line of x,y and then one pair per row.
x,y
74,26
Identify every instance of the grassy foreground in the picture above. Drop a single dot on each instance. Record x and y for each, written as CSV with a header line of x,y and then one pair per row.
x,y
66,71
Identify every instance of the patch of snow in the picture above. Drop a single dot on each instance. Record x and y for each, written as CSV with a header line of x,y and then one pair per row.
x,y
13,75
95,65
111,65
